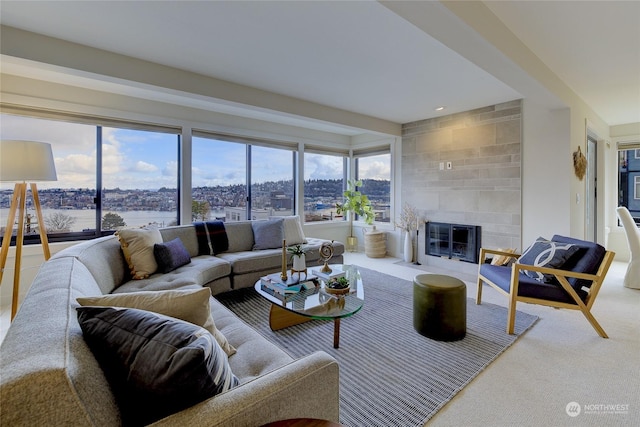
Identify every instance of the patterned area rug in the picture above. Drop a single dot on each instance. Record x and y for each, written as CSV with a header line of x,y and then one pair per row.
x,y
389,374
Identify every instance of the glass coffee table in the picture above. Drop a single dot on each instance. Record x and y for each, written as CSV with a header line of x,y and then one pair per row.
x,y
316,303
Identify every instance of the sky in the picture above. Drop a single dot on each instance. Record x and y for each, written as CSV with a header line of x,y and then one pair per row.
x,y
135,159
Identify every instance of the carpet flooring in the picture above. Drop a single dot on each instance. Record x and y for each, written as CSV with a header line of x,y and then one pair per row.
x,y
389,374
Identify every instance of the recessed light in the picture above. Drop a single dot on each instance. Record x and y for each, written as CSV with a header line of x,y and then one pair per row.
x,y
440,108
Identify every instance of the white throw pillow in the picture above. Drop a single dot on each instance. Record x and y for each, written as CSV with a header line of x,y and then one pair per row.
x,y
190,305
293,233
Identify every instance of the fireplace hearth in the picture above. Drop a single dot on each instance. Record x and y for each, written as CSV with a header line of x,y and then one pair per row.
x,y
454,241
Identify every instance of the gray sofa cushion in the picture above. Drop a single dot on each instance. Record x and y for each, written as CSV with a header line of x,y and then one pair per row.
x,y
157,365
268,234
255,355
199,272
248,261
240,235
186,233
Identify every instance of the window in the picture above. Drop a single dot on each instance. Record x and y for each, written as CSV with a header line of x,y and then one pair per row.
x,y
139,178
236,179
137,171
114,173
374,170
272,182
219,180
324,182
68,203
629,177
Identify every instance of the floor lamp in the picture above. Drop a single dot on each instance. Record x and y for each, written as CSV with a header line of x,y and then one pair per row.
x,y
22,162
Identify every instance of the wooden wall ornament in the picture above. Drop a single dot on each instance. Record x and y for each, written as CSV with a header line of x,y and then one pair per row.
x,y
579,163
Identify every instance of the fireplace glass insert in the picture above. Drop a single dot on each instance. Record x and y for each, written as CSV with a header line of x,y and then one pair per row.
x,y
454,241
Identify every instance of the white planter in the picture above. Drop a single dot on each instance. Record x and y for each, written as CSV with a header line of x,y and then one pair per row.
x,y
408,247
299,263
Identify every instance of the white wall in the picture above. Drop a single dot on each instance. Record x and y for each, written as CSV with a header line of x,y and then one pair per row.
x,y
545,172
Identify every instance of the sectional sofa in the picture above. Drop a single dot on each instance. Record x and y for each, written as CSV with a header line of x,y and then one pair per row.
x,y
50,373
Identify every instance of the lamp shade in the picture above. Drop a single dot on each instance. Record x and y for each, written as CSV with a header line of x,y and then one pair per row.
x,y
22,161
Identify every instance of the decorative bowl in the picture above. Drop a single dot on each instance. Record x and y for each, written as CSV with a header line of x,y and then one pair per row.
x,y
339,291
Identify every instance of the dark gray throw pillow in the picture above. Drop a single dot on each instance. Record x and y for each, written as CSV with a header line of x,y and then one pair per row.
x,y
546,253
171,255
268,234
156,365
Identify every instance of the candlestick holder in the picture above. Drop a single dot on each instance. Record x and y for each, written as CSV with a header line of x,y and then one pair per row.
x,y
326,253
283,274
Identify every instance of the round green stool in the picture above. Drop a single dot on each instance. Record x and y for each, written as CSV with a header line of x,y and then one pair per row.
x,y
439,307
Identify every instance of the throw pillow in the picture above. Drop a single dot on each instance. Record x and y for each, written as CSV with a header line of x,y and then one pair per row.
x,y
156,365
137,246
190,305
502,259
293,233
546,253
171,255
268,234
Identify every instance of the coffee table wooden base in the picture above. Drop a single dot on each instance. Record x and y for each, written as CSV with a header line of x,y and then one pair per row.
x,y
280,318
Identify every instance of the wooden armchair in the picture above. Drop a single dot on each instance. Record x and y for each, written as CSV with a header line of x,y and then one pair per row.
x,y
575,287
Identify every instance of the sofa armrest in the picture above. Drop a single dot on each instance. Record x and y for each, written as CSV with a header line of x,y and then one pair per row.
x,y
305,388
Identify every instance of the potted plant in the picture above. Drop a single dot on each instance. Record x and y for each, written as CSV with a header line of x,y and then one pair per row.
x,y
298,257
337,286
358,204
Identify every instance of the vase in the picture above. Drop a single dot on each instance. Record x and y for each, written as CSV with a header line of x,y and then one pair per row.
x,y
299,263
352,244
408,247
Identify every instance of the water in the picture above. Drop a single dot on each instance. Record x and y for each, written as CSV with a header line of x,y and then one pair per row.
x,y
86,219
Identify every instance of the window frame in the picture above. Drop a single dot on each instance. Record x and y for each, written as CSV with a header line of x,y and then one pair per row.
x,y
99,123
186,133
372,151
628,149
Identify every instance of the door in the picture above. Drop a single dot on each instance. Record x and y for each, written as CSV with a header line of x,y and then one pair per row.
x,y
591,204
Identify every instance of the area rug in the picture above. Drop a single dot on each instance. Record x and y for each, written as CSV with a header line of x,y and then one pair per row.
x,y
389,374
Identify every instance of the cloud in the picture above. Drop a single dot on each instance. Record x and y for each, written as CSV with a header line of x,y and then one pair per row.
x,y
318,166
170,169
378,168
145,167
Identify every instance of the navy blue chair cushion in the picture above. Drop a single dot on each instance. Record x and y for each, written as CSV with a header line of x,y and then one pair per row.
x,y
586,260
527,287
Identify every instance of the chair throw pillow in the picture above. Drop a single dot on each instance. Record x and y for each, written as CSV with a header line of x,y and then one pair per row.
x,y
137,247
502,259
546,253
156,365
171,255
268,234
190,305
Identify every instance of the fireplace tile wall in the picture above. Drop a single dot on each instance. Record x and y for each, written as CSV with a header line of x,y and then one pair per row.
x,y
483,185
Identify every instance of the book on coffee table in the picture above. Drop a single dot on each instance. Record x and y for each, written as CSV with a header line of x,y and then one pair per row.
x,y
336,271
292,285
